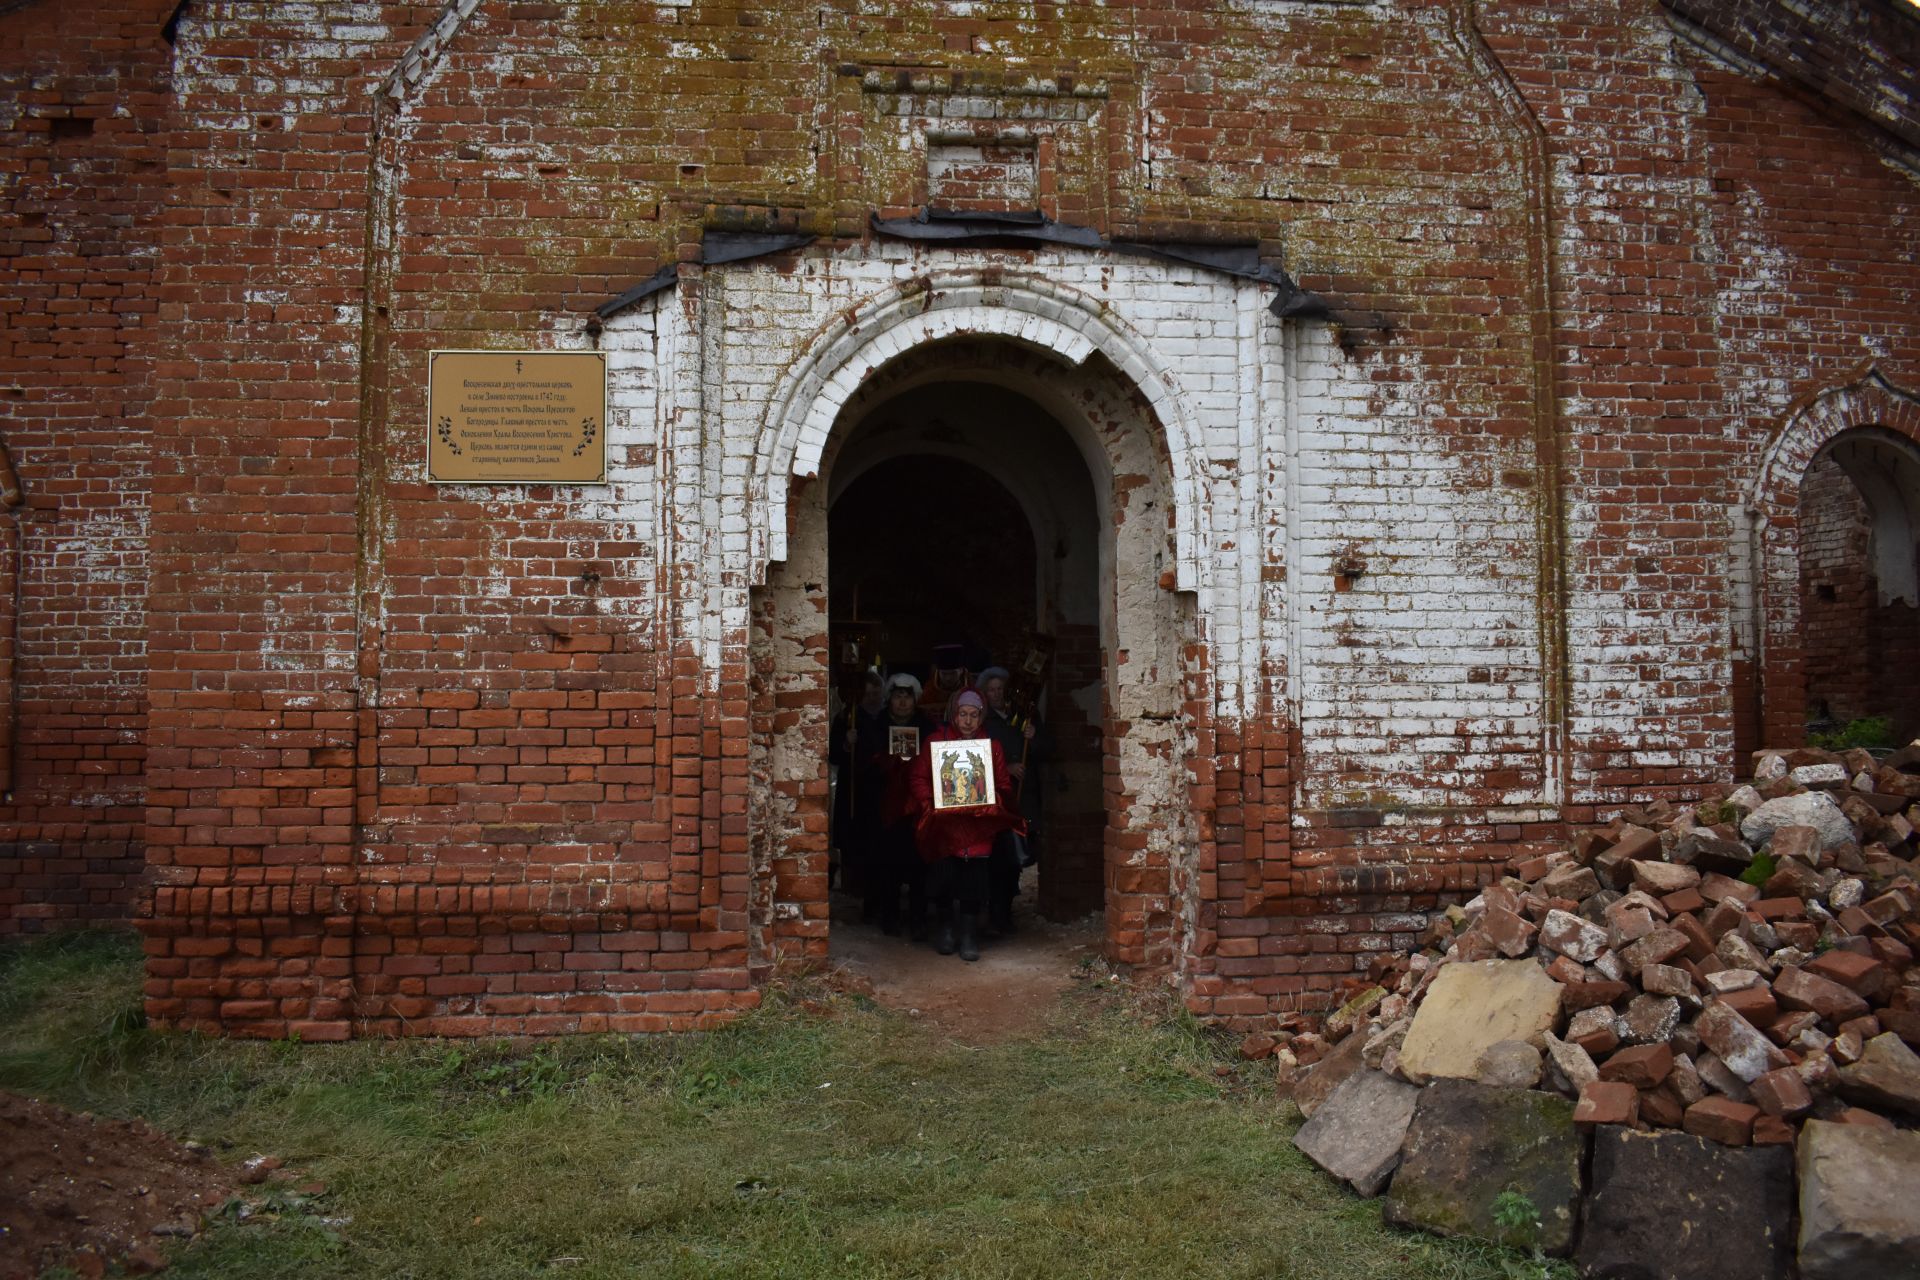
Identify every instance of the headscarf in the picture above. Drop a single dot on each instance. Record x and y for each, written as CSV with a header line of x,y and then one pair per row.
x,y
968,698
901,680
980,681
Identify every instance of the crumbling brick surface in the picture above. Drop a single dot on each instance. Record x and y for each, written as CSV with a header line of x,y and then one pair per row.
x,y
1393,596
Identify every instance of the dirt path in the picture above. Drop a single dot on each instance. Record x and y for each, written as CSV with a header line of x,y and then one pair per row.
x,y
1005,994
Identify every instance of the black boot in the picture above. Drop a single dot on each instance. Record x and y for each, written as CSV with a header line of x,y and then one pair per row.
x,y
943,941
1000,919
969,947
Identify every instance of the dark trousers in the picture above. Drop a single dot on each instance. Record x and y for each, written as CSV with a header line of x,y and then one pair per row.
x,y
898,866
962,883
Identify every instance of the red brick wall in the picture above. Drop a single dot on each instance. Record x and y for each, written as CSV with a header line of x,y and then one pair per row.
x,y
83,101
255,735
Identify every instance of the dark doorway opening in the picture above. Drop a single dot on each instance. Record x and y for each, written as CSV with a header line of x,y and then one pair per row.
x,y
929,550
962,513
1859,565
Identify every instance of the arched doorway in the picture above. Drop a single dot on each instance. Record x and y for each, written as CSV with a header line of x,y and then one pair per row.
x,y
962,514
1834,615
1860,589
1077,451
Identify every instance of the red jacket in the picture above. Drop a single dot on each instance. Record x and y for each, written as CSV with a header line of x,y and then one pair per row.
x,y
961,833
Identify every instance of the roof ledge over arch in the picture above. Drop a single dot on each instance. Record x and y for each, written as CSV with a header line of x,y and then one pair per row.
x,y
962,229
966,230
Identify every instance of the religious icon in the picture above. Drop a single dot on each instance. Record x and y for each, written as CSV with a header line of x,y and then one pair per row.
x,y
962,774
903,741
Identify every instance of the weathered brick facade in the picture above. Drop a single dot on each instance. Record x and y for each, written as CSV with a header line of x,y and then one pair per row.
x,y
1502,529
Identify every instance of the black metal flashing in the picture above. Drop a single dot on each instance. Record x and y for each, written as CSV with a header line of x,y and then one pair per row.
x,y
664,278
989,230
716,247
965,229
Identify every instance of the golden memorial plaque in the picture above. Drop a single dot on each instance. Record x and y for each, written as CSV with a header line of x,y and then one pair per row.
x,y
517,417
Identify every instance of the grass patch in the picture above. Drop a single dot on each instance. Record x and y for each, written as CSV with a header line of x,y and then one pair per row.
x,y
852,1142
1868,731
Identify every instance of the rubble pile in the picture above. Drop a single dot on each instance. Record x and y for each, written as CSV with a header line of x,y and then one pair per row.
x,y
1738,975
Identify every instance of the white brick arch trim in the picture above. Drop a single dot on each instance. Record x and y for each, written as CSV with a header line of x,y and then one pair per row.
x,y
1035,312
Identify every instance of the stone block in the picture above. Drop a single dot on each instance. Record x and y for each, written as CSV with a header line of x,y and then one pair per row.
x,y
1887,1076
1573,1064
1328,1074
1511,1064
1813,809
1670,1206
1356,1134
1472,1006
1469,1143
1858,1189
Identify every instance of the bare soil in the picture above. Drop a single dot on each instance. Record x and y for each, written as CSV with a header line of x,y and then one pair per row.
x,y
1006,994
89,1193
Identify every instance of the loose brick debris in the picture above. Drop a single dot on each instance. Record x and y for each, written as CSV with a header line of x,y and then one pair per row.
x,y
1737,969
92,1194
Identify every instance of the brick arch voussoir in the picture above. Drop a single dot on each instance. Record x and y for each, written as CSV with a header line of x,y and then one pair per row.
x,y
1872,401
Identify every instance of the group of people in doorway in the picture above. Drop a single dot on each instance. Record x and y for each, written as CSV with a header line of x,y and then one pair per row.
x,y
932,849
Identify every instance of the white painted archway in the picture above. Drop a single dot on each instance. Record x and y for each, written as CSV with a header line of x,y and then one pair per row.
x,y
1029,310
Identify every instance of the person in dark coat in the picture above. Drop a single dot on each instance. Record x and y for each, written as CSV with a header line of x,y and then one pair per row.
x,y
1017,736
857,734
950,676
886,798
957,843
